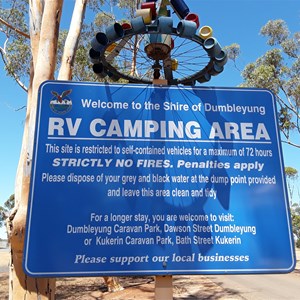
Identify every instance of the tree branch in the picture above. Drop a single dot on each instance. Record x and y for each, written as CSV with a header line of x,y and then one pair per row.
x,y
65,72
19,82
291,143
292,107
15,29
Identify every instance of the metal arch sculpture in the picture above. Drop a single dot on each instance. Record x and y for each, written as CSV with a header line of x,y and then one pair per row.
x,y
150,47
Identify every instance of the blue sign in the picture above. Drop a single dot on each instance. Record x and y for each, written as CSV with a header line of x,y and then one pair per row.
x,y
136,180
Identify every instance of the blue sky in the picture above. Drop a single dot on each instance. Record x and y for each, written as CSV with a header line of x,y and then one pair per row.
x,y
233,21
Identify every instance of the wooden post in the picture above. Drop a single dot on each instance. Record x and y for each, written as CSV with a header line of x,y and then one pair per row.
x,y
163,284
160,81
163,287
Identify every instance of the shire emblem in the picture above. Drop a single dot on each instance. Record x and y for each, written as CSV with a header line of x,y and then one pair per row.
x,y
61,103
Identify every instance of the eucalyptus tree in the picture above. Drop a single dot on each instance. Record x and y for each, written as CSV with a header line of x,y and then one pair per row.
x,y
15,49
5,209
291,175
33,53
279,70
295,214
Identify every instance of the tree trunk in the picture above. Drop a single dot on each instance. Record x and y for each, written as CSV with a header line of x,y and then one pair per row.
x,y
44,29
44,58
65,72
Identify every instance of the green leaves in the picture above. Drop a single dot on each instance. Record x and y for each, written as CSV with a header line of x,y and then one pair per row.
x,y
261,76
18,58
295,214
276,30
6,208
291,173
279,70
103,19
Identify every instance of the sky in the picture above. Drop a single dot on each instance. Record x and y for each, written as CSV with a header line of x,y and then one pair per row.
x,y
233,21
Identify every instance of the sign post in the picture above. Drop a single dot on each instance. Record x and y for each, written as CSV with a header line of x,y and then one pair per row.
x,y
136,180
163,287
163,284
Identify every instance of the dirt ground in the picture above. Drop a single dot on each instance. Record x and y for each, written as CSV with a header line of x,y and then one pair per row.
x,y
138,288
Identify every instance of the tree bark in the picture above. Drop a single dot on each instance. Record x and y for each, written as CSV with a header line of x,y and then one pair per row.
x,y
44,57
44,29
35,24
65,72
